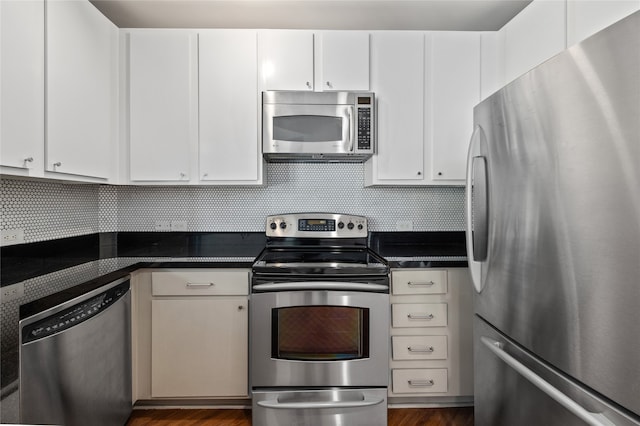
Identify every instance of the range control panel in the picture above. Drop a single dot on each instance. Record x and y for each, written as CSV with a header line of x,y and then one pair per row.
x,y
316,225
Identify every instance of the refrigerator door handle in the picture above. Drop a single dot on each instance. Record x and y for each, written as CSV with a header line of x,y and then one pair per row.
x,y
594,419
476,210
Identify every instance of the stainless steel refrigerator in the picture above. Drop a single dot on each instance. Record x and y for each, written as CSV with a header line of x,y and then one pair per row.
x,y
553,213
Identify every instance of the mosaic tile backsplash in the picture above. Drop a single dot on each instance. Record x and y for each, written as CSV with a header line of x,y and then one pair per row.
x,y
49,210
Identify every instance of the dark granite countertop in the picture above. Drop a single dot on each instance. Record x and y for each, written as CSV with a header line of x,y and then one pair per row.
x,y
106,257
109,256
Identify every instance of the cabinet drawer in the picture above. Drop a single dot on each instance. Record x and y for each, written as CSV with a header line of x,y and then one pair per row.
x,y
423,380
419,282
419,314
200,283
419,347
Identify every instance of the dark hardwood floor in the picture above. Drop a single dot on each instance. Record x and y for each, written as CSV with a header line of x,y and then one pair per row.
x,y
396,417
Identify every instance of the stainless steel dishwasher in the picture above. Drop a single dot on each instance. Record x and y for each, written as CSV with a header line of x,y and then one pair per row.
x,y
75,360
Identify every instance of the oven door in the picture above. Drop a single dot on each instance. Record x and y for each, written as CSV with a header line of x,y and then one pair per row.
x,y
307,129
319,338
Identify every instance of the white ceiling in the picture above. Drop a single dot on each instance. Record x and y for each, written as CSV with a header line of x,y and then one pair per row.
x,y
460,15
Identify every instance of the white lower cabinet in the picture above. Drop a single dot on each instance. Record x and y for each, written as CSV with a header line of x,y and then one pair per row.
x,y
431,337
191,334
198,347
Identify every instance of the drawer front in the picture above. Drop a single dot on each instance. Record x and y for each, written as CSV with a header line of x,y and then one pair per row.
x,y
422,380
419,282
200,283
419,314
419,347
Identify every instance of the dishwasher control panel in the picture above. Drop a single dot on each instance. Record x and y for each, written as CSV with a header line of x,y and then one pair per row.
x,y
74,315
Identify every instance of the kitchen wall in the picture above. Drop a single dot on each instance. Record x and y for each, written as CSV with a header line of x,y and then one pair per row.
x,y
49,210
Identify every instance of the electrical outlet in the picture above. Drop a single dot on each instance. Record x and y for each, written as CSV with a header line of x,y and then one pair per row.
x,y
162,226
179,225
12,236
12,292
404,225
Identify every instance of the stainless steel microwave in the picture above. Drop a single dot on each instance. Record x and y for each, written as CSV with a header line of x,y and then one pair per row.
x,y
318,126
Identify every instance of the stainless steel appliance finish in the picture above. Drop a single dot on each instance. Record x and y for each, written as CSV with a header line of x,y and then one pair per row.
x,y
269,371
553,199
75,360
318,126
520,389
353,407
319,324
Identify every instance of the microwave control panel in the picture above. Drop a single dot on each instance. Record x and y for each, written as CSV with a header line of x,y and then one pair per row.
x,y
364,128
364,107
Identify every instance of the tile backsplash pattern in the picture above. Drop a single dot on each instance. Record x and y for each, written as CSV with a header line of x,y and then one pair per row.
x,y
49,210
292,188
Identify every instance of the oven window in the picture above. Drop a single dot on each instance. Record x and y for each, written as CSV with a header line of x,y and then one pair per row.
x,y
307,128
320,333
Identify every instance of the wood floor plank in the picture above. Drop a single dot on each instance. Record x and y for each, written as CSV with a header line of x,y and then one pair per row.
x,y
396,417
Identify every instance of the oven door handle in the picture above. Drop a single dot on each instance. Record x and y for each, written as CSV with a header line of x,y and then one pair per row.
x,y
323,404
321,285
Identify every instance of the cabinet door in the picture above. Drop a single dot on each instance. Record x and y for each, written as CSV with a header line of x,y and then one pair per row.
x,y
533,36
286,59
162,110
228,93
22,84
81,89
344,59
587,17
454,89
397,78
199,347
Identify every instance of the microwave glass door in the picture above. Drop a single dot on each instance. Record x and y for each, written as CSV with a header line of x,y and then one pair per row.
x,y
309,128
320,333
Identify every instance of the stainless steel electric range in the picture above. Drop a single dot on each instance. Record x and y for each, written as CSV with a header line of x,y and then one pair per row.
x,y
319,324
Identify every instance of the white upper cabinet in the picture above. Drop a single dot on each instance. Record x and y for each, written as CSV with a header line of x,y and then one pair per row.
x,y
426,86
343,58
453,89
533,36
286,59
22,86
585,18
302,60
492,76
162,104
81,90
397,78
229,139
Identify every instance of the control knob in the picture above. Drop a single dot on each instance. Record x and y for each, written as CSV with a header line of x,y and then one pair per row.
x,y
360,227
273,225
283,225
340,225
350,225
